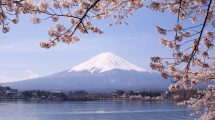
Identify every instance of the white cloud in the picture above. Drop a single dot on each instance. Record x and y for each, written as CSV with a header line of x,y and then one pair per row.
x,y
31,74
28,75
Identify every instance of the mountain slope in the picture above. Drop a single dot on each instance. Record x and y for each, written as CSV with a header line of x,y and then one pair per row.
x,y
105,72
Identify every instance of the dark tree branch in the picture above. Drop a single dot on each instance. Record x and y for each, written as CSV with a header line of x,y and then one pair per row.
x,y
199,39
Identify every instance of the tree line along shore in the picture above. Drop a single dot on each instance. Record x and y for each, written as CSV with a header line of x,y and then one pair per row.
x,y
41,95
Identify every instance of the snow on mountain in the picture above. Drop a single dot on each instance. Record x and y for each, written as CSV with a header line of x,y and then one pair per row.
x,y
105,62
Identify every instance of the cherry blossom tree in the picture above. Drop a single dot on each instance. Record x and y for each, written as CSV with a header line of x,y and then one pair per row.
x,y
80,14
191,39
193,56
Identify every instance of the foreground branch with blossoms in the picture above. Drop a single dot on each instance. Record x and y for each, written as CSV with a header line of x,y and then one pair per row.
x,y
80,15
193,55
191,39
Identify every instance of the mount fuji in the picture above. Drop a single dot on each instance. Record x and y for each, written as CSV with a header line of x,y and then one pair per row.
x,y
105,62
104,72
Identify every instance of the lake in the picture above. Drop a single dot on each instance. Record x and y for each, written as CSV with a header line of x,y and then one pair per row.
x,y
92,110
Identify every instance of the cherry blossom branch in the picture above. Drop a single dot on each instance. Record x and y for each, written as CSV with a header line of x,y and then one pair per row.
x,y
199,39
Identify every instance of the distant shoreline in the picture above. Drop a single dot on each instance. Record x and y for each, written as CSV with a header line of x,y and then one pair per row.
x,y
7,93
96,100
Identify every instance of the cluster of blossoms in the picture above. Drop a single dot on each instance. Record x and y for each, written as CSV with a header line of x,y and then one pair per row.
x,y
204,102
9,13
193,58
80,15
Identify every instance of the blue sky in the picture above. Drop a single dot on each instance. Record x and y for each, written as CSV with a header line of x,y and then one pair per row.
x,y
21,56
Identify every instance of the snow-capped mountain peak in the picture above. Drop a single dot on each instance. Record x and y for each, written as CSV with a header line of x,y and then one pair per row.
x,y
105,62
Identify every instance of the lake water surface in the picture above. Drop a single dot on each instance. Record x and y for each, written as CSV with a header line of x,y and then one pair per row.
x,y
93,110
